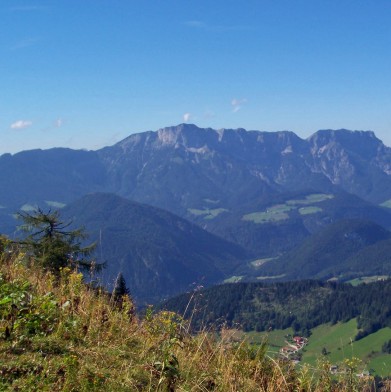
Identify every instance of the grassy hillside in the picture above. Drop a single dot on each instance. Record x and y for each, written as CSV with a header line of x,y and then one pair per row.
x,y
57,334
338,339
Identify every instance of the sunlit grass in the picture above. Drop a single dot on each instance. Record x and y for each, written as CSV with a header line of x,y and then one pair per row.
x,y
367,279
309,210
386,204
280,212
259,262
58,334
312,198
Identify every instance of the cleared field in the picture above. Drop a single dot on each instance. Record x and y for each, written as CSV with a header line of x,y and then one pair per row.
x,y
211,201
309,210
272,214
280,212
259,262
275,339
338,340
312,198
367,279
386,204
381,365
270,277
207,212
234,279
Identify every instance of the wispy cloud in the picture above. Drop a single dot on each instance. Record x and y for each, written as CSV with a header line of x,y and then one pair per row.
x,y
54,125
187,117
237,104
59,123
25,43
209,114
21,124
198,24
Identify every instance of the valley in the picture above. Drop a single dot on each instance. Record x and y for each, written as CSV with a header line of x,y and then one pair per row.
x,y
261,231
195,196
271,195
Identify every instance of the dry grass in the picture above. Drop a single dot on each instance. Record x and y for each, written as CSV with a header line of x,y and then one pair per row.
x,y
56,334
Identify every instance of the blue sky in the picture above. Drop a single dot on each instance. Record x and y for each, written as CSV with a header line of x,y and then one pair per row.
x,y
87,73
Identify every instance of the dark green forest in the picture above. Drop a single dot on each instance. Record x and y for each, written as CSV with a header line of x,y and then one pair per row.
x,y
300,304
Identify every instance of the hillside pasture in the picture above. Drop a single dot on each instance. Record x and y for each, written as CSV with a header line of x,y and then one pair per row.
x,y
309,210
338,340
259,262
386,204
367,279
273,214
280,212
207,213
309,199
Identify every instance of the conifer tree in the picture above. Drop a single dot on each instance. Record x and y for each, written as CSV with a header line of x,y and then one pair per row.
x,y
120,288
52,245
121,296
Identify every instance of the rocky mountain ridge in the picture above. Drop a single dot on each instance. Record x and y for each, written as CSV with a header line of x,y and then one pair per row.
x,y
276,160
264,192
184,167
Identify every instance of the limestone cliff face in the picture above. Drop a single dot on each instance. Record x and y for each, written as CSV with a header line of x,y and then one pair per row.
x,y
356,161
185,164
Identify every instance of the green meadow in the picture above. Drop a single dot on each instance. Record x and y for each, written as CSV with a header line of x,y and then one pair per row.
x,y
280,212
338,341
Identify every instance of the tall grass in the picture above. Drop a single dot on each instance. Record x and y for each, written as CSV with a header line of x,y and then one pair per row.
x,y
59,334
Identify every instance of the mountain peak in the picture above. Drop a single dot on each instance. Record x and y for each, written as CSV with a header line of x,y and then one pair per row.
x,y
364,143
342,135
178,134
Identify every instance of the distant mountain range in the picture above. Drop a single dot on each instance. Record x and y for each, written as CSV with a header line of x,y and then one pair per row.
x,y
263,192
186,167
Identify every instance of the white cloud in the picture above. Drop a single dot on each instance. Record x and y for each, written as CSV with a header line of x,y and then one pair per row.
x,y
186,117
59,123
21,124
237,104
